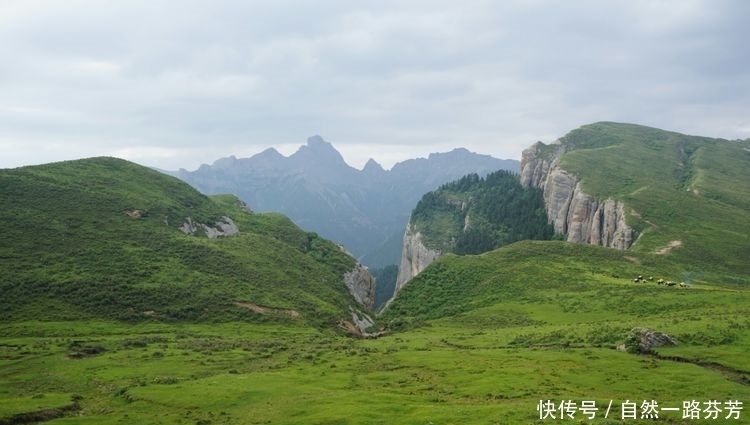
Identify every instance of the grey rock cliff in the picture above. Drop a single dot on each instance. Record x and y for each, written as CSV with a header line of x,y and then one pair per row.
x,y
361,285
415,257
572,212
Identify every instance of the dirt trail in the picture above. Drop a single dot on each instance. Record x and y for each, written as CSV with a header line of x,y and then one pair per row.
x,y
261,309
670,246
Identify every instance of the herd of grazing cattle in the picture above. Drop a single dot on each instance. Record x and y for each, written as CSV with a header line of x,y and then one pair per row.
x,y
660,281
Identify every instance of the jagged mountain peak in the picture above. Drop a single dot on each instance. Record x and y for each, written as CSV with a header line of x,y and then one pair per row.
x,y
372,166
364,209
270,153
226,162
316,140
455,153
317,150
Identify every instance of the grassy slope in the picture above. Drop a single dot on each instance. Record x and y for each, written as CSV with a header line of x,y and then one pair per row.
x,y
481,340
681,188
528,322
70,250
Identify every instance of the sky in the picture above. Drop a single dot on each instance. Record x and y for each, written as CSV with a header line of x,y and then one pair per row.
x,y
177,84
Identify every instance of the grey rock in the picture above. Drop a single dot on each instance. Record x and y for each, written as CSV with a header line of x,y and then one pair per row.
x,y
415,257
571,211
361,285
644,340
225,226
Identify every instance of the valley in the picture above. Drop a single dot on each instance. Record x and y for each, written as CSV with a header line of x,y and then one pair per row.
x,y
130,297
478,364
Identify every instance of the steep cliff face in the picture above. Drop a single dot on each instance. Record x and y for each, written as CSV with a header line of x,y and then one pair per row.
x,y
572,212
361,285
415,257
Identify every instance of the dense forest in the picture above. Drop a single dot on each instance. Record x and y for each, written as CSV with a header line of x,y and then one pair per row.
x,y
474,214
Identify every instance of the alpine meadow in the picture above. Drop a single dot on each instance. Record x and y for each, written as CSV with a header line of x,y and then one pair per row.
x,y
607,283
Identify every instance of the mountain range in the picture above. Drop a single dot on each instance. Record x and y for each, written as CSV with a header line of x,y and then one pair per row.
x,y
364,210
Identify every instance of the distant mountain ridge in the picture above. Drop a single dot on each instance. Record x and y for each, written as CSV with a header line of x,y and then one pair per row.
x,y
364,210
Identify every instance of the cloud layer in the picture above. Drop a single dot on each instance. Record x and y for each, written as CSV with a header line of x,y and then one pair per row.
x,y
177,84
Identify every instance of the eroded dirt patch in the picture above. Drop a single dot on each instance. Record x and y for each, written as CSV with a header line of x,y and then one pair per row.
x,y
670,246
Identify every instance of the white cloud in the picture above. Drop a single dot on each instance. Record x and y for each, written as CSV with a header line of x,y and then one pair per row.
x,y
175,86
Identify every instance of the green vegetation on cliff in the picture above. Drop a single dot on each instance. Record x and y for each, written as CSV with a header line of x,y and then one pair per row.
x,y
474,214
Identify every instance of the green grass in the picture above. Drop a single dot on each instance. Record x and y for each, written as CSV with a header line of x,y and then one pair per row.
x,y
70,250
474,339
686,188
528,322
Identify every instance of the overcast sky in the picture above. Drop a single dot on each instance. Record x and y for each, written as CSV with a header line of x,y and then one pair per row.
x,y
179,83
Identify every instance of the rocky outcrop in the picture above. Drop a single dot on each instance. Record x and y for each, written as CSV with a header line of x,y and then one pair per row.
x,y
415,257
644,340
537,161
572,212
361,285
223,227
360,325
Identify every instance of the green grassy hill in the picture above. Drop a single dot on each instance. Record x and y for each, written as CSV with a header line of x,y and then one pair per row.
x,y
688,192
553,272
475,339
100,238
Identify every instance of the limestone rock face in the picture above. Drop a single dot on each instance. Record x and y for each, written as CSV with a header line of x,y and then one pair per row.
x,y
571,211
535,165
415,257
361,285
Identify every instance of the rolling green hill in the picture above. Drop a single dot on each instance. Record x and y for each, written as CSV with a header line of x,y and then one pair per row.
x,y
475,339
685,192
545,317
100,238
555,272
